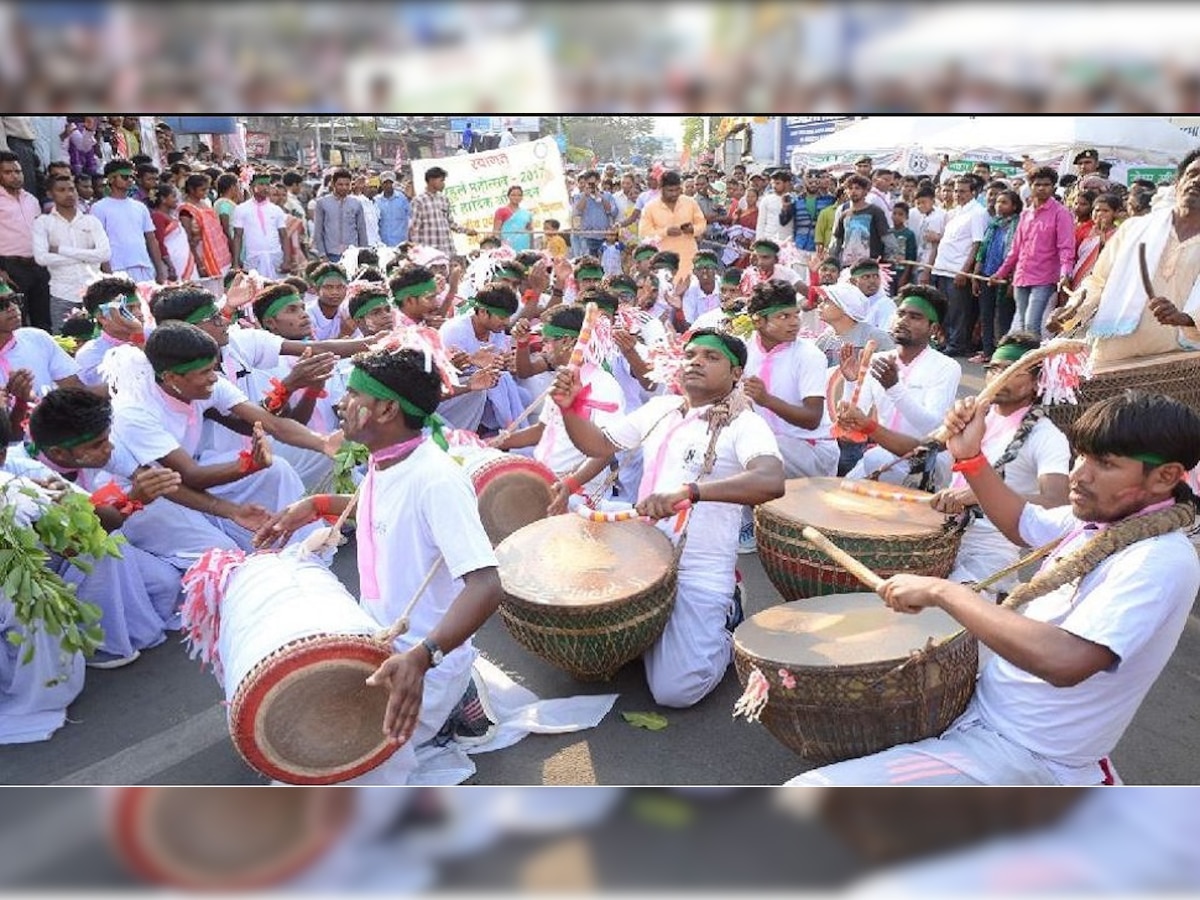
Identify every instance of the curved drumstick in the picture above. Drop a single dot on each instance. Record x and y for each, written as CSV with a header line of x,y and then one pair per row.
x,y
841,557
331,538
622,515
1144,269
591,311
864,368
400,626
1024,364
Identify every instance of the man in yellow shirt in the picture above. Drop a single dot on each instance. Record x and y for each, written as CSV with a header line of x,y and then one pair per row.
x,y
673,222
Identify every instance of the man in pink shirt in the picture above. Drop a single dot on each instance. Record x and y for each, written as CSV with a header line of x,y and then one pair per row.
x,y
1042,254
18,209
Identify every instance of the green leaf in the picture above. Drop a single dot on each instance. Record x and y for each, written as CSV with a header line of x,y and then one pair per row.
x,y
15,638
649,721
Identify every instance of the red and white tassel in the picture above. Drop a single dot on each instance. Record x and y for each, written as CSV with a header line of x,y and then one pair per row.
x,y
204,588
754,699
1062,375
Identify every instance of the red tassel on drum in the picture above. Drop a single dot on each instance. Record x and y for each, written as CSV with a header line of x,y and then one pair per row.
x,y
204,585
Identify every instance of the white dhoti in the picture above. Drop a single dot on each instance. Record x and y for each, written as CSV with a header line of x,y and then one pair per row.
x,y
690,658
176,534
275,487
803,458
34,696
265,262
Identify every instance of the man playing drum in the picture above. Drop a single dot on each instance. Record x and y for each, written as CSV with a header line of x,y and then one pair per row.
x,y
911,390
691,456
417,510
1070,671
1026,448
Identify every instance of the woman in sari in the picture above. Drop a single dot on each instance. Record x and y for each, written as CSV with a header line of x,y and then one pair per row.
x,y
513,224
210,249
1103,225
172,236
293,227
748,221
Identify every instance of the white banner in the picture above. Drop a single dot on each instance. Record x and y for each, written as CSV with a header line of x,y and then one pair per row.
x,y
477,185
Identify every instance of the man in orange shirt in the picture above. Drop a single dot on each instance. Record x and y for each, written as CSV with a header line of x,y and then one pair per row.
x,y
673,222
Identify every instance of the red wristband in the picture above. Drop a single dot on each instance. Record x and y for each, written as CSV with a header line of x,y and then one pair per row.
x,y
112,495
315,393
572,484
972,465
693,490
871,427
321,507
246,463
276,399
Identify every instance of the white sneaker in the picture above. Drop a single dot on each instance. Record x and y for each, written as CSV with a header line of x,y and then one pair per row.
x,y
746,541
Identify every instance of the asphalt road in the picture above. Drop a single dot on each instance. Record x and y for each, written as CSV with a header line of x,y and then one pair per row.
x,y
161,721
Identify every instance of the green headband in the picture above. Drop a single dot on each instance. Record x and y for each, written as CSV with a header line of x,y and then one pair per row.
x,y
414,290
363,383
128,173
5,289
589,272
769,311
1010,353
261,179
712,342
921,305
493,310
324,277
511,272
34,449
371,304
1152,459
553,331
731,277
203,314
279,303
704,262
647,253
764,247
193,366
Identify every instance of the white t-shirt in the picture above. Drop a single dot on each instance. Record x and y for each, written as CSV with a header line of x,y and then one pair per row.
x,y
554,450
964,227
325,329
257,239
792,372
422,507
917,403
880,309
1125,604
165,424
770,205
126,222
35,350
922,225
249,353
90,355
696,303
673,448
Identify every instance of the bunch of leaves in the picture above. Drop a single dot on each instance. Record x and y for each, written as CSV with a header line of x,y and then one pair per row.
x,y
40,598
348,457
742,325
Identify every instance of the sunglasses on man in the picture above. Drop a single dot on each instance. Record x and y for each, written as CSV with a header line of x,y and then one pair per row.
x,y
14,299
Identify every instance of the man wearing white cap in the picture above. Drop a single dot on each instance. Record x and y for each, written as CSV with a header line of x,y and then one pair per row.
x,y
843,309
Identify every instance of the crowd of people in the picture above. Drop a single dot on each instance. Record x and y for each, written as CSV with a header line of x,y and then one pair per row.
x,y
224,335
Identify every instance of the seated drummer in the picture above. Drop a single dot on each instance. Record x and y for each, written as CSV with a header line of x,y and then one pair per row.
x,y
910,390
1026,448
1125,322
719,469
417,505
1070,669
578,475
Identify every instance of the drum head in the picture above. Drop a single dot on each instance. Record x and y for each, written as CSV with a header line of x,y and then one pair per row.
x,y
822,503
839,630
513,492
305,716
225,838
567,561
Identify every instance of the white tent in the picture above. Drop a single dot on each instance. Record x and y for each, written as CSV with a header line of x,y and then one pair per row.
x,y
1148,140
891,141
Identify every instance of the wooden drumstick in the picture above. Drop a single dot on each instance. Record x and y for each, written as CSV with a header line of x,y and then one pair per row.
x,y
1144,269
400,626
841,557
1024,364
864,367
331,538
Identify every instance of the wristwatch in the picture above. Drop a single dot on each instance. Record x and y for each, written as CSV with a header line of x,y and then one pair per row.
x,y
435,652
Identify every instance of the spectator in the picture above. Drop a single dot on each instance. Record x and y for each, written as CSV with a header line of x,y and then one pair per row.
x,y
996,306
394,211
72,245
593,213
955,261
432,223
129,227
19,210
338,221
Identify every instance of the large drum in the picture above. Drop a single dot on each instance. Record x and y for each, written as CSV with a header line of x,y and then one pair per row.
x,y
293,651
847,676
1174,374
513,490
587,597
888,536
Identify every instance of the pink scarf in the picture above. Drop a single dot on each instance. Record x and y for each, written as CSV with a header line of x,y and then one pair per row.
x,y
368,554
650,476
1065,544
998,434
905,371
765,374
